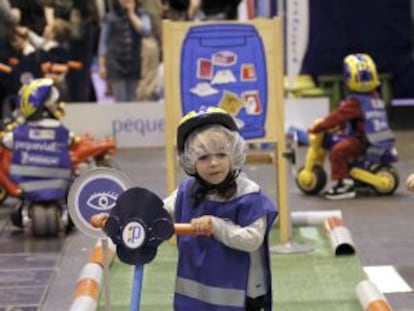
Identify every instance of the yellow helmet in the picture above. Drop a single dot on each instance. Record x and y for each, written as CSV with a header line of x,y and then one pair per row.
x,y
38,96
360,73
205,116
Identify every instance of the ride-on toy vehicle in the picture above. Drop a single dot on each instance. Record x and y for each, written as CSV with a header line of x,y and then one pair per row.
x,y
374,170
37,163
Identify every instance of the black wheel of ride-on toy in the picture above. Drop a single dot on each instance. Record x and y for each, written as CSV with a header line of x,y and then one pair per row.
x,y
392,176
317,183
45,220
3,194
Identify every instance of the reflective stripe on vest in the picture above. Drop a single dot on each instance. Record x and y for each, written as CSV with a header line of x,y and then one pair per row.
x,y
380,136
44,184
35,171
210,294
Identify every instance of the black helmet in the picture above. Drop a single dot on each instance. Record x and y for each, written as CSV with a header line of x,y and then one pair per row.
x,y
205,116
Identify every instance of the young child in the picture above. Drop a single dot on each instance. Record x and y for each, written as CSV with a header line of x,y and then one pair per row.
x,y
53,47
363,119
227,267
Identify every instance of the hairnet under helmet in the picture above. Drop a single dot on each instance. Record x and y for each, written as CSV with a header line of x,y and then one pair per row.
x,y
199,134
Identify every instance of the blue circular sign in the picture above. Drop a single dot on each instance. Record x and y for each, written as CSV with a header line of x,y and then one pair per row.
x,y
95,192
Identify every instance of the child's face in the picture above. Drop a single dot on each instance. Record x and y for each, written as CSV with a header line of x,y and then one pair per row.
x,y
213,161
48,32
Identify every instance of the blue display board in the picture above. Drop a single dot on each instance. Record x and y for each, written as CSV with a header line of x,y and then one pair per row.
x,y
224,65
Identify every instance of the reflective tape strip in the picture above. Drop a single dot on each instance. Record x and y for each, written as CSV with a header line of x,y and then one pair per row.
x,y
313,218
380,136
90,279
35,171
339,236
84,303
370,298
44,184
91,271
209,294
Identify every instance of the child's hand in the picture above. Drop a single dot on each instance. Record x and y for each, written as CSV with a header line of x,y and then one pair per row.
x,y
410,182
202,225
311,130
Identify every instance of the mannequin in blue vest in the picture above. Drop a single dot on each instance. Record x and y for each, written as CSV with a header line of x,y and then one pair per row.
x,y
227,265
40,162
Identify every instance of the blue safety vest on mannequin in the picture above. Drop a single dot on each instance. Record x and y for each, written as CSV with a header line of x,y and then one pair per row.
x,y
41,163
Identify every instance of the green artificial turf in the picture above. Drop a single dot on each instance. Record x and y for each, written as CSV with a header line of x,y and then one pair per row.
x,y
311,281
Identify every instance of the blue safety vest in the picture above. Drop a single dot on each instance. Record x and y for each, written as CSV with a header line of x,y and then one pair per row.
x,y
41,163
210,275
376,127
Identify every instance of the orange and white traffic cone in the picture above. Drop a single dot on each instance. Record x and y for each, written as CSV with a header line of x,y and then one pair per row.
x,y
371,298
89,283
339,236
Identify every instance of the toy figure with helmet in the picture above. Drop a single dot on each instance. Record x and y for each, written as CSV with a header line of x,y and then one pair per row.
x,y
40,160
227,265
357,136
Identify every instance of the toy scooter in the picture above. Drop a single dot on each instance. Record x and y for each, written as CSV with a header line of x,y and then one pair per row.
x,y
88,152
373,170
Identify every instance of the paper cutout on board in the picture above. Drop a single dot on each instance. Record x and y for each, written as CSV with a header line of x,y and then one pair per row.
x,y
203,89
224,58
231,103
223,77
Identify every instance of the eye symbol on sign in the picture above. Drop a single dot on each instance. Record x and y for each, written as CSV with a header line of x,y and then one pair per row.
x,y
102,201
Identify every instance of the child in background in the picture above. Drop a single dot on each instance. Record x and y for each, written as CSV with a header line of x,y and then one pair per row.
x,y
54,52
363,119
120,48
228,266
23,63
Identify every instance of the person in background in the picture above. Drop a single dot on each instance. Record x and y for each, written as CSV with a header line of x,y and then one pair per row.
x,y
32,14
150,52
363,119
83,18
8,20
54,53
24,67
227,266
120,46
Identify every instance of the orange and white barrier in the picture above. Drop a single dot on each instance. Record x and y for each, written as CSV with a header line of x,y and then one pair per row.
x,y
339,236
90,279
313,218
370,298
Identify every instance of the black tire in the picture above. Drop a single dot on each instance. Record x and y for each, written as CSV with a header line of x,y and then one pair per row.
x,y
319,180
45,220
392,175
39,220
53,219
